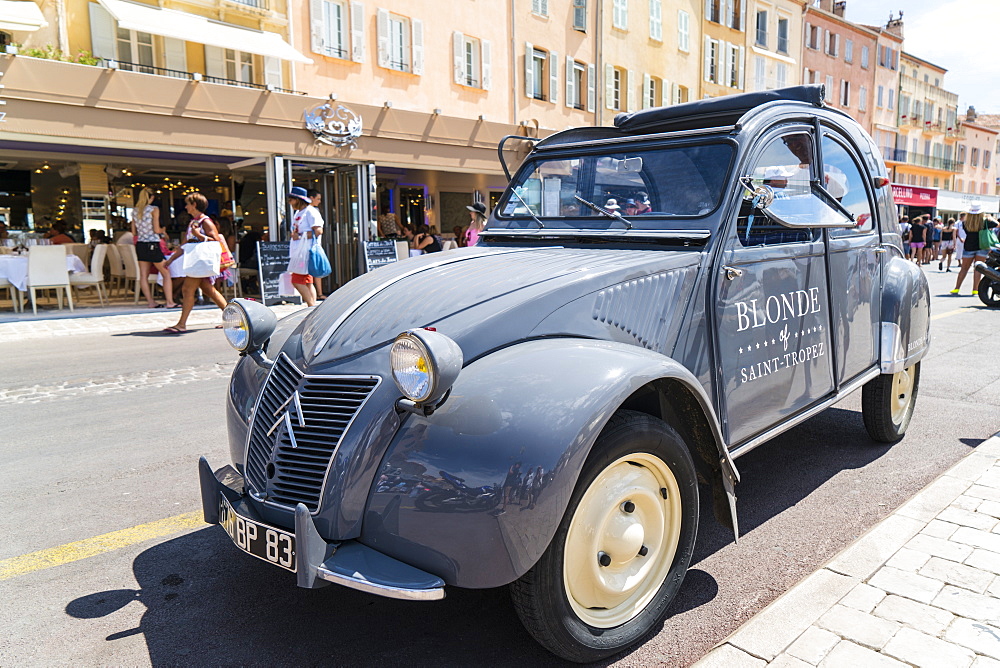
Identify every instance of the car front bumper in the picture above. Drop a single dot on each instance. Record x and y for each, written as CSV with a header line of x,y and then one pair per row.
x,y
316,561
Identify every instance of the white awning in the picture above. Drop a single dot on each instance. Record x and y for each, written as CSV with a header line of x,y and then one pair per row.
x,y
21,15
194,28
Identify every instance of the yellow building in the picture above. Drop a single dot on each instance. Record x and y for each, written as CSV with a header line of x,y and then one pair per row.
x,y
724,47
774,44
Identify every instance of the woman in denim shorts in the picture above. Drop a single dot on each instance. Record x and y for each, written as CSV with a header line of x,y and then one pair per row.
x,y
968,241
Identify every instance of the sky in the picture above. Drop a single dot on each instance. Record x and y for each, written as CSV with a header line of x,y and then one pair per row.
x,y
958,35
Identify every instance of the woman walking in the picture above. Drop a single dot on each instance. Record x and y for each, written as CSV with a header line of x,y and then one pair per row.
x,y
147,233
968,235
201,229
947,243
307,224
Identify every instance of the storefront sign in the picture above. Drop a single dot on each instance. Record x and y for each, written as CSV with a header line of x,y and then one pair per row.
x,y
949,200
337,126
914,196
379,253
272,261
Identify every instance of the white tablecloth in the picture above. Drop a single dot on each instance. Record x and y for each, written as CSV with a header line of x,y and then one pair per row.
x,y
15,268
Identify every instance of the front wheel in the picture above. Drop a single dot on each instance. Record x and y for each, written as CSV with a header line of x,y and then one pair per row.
x,y
887,403
624,545
989,292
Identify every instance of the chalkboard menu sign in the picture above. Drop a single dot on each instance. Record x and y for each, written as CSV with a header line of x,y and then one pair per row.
x,y
379,253
272,261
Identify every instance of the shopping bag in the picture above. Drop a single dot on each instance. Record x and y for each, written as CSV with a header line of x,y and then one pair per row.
x,y
987,239
285,287
226,260
319,265
298,256
201,260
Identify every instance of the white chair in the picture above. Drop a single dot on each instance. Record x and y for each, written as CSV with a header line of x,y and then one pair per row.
x,y
117,267
47,270
131,261
82,251
95,277
15,294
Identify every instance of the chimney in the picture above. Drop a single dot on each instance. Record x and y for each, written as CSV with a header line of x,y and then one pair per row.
x,y
839,7
895,25
970,115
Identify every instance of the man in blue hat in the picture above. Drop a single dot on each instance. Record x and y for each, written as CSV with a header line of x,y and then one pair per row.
x,y
307,224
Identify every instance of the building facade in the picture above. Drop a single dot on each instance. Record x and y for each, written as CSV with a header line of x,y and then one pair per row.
x,y
774,44
724,50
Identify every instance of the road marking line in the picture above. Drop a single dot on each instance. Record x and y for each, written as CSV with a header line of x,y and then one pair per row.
x,y
954,312
89,547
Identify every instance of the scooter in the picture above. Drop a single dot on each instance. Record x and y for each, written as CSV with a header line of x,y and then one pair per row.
x,y
989,283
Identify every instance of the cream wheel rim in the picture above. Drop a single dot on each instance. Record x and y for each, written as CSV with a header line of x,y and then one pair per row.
x,y
902,392
622,540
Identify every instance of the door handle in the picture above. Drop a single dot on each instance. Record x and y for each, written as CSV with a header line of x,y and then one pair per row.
x,y
732,272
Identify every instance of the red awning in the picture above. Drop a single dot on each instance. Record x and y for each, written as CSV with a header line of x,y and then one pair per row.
x,y
914,196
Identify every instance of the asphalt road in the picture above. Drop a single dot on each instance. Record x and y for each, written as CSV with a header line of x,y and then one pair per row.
x,y
120,450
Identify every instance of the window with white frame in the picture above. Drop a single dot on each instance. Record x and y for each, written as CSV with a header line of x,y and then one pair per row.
x,y
337,29
471,61
536,68
986,159
781,75
782,35
711,64
848,51
580,15
892,94
713,10
615,87
540,7
239,65
683,30
334,28
734,70
975,157
864,57
879,96
135,49
761,29
862,98
656,20
759,73
580,85
681,94
813,36
845,93
652,92
832,43
619,14
400,42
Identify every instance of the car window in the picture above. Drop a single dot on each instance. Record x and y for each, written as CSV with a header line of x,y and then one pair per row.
x,y
786,165
844,182
642,185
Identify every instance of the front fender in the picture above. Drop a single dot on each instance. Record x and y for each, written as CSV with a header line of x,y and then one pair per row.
x,y
444,500
906,311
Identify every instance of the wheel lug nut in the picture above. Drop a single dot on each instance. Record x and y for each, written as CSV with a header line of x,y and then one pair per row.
x,y
628,507
604,559
643,551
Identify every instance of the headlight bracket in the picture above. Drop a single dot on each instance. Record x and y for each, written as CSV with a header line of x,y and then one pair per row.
x,y
404,405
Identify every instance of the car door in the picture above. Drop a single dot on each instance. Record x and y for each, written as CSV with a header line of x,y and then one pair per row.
x,y
772,305
855,268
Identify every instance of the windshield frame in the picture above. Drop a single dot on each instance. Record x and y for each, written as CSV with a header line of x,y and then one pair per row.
x,y
666,223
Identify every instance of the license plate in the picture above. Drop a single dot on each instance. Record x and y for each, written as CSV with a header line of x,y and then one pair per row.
x,y
271,545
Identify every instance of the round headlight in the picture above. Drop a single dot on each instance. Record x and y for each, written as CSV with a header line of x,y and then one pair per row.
x,y
235,326
424,364
247,324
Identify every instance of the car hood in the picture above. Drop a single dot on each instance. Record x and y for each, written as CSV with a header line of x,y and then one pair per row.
x,y
485,297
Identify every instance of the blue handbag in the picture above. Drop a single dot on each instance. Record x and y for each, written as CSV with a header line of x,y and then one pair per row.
x,y
319,265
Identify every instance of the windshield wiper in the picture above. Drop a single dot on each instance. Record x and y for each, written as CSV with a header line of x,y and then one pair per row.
x,y
607,212
527,208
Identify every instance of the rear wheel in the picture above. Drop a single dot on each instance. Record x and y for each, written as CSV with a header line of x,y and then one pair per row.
x,y
989,292
887,403
621,552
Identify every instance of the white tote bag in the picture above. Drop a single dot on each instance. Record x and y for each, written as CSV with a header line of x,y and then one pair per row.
x,y
201,260
285,287
298,256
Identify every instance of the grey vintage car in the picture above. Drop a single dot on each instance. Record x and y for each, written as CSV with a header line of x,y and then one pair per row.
x,y
648,302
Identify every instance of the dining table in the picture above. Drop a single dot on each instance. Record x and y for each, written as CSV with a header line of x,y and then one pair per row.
x,y
15,269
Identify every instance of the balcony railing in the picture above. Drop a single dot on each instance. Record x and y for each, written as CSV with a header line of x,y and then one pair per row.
x,y
193,76
256,4
920,160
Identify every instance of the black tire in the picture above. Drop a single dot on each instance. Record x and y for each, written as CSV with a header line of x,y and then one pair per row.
x,y
885,420
541,597
989,292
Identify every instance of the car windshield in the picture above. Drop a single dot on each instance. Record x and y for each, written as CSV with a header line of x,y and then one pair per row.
x,y
643,189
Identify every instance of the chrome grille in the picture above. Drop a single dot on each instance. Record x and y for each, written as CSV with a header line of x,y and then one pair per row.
x,y
297,427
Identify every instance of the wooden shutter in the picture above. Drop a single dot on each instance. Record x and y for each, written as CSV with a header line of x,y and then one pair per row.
x,y
647,83
609,86
102,32
591,88
707,76
727,51
630,85
570,83
382,30
357,32
175,54
666,93
458,57
215,62
553,76
272,71
740,58
486,64
529,70
317,26
417,35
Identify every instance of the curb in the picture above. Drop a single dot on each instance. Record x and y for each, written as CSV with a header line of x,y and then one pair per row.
x,y
764,638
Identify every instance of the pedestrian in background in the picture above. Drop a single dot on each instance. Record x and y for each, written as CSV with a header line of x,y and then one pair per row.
x,y
948,242
146,231
968,236
904,233
935,253
201,229
316,198
918,235
477,213
307,224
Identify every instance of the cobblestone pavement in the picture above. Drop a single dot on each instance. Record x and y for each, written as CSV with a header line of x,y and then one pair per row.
x,y
114,384
151,320
922,588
